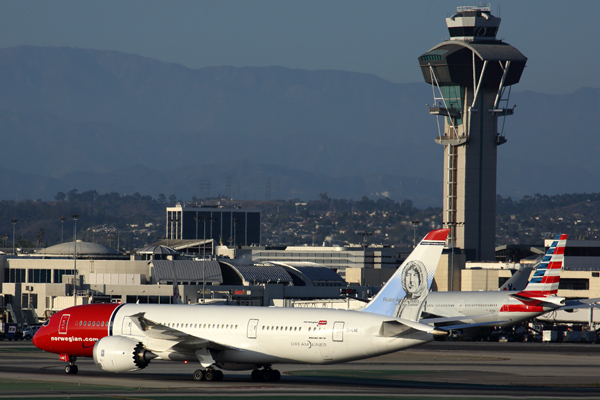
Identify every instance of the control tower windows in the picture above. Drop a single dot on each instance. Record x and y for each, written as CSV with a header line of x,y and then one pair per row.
x,y
473,31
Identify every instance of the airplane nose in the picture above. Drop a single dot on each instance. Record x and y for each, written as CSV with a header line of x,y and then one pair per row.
x,y
35,340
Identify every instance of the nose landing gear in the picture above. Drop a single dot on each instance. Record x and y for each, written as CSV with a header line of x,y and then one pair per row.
x,y
71,369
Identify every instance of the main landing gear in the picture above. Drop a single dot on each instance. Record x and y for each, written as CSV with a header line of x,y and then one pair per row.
x,y
209,375
266,375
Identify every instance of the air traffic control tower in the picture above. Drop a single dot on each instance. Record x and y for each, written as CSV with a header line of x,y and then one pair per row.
x,y
471,75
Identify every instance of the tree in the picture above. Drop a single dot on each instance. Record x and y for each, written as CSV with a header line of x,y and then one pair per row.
x,y
39,237
161,198
60,196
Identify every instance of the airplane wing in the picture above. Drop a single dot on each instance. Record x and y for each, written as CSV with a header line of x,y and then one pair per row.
x,y
183,340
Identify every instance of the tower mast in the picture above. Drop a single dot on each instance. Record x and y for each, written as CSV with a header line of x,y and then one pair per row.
x,y
470,74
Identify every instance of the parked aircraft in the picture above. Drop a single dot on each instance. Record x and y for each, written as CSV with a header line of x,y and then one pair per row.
x,y
504,308
127,337
520,279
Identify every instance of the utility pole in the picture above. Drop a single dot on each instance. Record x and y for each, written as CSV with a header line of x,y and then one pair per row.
x,y
75,218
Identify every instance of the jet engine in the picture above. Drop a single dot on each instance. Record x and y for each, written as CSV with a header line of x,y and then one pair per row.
x,y
121,354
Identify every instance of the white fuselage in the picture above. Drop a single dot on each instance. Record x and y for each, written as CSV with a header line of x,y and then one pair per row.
x,y
479,307
266,335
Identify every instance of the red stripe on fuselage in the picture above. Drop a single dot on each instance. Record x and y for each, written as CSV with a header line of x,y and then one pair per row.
x,y
86,325
521,308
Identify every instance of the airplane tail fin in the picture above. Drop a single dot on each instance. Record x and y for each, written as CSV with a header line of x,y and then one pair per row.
x,y
520,279
546,277
404,295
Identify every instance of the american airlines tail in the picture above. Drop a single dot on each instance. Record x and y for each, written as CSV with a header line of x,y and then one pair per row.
x,y
545,280
404,295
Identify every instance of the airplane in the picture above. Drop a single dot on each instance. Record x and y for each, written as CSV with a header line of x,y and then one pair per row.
x,y
127,337
520,279
504,308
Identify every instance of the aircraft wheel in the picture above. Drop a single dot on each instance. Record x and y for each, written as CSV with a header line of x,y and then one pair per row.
x,y
219,375
209,375
198,375
256,375
266,375
275,375
71,369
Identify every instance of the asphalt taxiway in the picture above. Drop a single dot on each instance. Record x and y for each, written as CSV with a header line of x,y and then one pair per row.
x,y
502,370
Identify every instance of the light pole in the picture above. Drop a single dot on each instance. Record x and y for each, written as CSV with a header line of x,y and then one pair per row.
x,y
235,221
62,229
14,222
415,222
75,218
170,236
204,219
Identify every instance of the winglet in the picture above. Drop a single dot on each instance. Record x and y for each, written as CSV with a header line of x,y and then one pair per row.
x,y
405,293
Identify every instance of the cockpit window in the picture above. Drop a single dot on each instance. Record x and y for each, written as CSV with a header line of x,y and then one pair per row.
x,y
46,323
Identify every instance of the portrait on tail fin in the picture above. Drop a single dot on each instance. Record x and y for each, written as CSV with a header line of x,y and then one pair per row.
x,y
414,283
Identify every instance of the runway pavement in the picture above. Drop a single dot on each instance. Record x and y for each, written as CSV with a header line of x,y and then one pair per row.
x,y
502,370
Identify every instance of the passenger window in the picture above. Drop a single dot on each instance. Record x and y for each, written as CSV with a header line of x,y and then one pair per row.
x,y
80,323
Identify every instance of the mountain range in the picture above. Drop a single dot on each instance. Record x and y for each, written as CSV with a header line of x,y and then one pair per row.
x,y
109,121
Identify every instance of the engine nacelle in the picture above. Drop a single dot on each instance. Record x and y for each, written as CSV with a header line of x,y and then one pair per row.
x,y
121,354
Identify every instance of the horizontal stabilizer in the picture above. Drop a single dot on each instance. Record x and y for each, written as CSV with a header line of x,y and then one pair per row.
x,y
403,327
527,297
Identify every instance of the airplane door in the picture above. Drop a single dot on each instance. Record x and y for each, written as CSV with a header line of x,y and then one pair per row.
x,y
252,328
126,326
338,331
460,305
64,322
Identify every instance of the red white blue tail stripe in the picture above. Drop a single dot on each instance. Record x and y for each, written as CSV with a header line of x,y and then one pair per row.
x,y
546,277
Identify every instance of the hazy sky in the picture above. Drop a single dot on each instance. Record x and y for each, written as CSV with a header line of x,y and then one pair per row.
x,y
380,37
